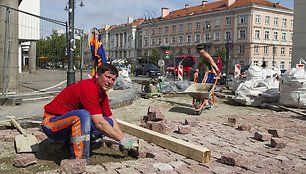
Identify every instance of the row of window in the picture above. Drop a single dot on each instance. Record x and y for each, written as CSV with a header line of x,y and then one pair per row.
x,y
275,35
275,21
281,64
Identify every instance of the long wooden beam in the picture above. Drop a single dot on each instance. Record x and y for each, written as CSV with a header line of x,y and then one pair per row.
x,y
184,148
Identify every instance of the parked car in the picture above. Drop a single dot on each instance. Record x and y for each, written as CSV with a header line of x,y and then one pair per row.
x,y
150,70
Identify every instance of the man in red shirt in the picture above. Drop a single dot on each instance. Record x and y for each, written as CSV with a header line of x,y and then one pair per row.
x,y
82,111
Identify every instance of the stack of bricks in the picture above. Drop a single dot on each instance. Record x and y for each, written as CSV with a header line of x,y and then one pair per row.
x,y
155,120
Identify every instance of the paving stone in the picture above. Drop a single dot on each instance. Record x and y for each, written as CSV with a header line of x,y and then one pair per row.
x,y
183,170
49,172
231,121
190,122
162,166
230,159
177,164
198,168
184,129
158,126
112,166
155,114
91,169
127,170
262,136
73,166
25,160
244,127
278,143
281,158
276,132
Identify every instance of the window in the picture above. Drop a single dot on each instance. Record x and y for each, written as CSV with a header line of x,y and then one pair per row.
x,y
181,28
275,35
255,62
257,34
228,21
242,19
256,50
257,19
173,39
152,42
166,41
159,41
267,33
242,34
166,29
145,42
290,51
284,22
198,25
282,65
228,35
173,28
189,50
207,24
197,38
217,36
153,32
267,20
275,21
189,26
282,50
189,39
159,30
291,25
291,36
241,49
181,39
284,36
146,32
206,36
266,50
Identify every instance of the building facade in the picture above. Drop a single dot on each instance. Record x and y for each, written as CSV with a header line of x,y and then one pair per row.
x,y
252,30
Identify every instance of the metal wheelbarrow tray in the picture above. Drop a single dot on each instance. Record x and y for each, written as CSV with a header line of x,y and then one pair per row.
x,y
199,91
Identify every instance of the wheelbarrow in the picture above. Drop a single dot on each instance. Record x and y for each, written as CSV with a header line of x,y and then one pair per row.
x,y
202,94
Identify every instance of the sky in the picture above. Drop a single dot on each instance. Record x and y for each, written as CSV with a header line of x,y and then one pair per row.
x,y
98,13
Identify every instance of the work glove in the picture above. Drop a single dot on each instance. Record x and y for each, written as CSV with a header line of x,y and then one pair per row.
x,y
126,142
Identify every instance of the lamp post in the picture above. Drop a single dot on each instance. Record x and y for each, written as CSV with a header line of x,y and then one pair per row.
x,y
70,44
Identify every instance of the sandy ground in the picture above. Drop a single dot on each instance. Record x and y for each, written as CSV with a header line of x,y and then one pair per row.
x,y
212,132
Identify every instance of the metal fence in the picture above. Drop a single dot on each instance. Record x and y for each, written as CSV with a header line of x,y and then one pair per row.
x,y
33,57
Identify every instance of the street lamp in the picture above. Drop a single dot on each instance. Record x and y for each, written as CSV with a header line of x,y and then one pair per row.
x,y
70,44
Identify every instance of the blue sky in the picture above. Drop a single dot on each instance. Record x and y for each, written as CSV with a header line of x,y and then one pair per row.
x,y
98,13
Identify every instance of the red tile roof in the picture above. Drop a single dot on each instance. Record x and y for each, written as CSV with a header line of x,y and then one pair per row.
x,y
219,5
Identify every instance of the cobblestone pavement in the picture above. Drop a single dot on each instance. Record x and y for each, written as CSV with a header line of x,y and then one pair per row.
x,y
214,133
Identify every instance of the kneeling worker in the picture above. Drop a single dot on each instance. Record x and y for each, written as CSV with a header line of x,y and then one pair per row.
x,y
82,111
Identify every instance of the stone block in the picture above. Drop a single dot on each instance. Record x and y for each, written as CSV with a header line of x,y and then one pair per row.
x,y
230,159
278,143
276,132
231,121
25,160
155,114
184,129
262,136
244,127
159,126
192,123
73,166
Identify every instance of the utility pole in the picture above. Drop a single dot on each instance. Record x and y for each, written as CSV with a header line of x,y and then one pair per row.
x,y
70,71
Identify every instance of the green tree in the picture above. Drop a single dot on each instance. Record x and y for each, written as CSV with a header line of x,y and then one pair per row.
x,y
222,53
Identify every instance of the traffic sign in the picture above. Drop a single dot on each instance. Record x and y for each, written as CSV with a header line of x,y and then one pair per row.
x,y
167,51
167,57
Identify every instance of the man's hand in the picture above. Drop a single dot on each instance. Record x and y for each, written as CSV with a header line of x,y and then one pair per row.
x,y
126,142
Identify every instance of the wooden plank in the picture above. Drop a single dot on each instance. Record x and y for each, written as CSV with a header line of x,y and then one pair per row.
x,y
292,110
195,152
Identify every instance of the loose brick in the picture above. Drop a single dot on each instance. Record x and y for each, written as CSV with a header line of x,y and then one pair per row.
x,y
231,121
192,123
276,132
73,166
155,114
262,136
278,143
244,127
25,160
184,129
230,159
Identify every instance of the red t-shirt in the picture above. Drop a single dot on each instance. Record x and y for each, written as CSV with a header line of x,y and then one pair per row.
x,y
85,94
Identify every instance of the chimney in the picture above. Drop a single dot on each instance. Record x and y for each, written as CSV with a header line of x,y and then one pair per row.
x,y
204,2
186,6
164,12
130,20
230,2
